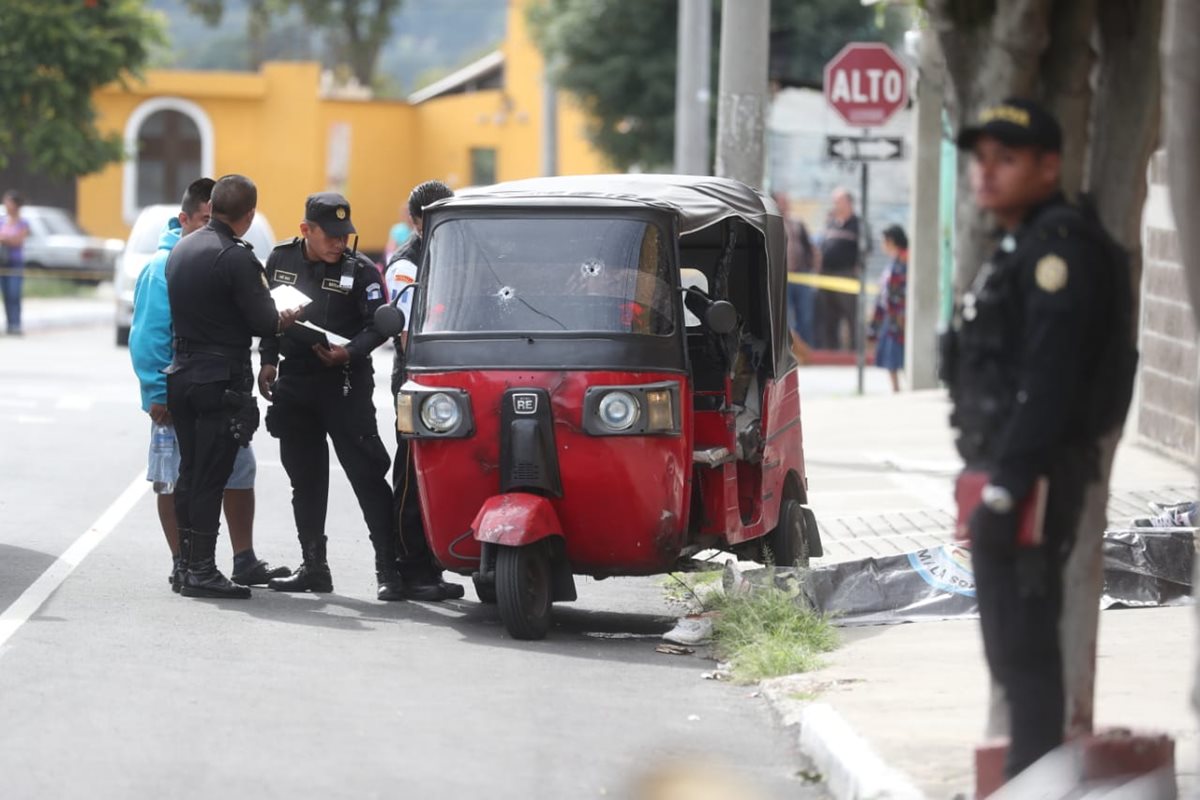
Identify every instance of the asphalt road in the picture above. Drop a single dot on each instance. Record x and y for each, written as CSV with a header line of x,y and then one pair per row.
x,y
115,688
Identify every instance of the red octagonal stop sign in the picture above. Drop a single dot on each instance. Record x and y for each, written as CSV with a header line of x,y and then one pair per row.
x,y
866,84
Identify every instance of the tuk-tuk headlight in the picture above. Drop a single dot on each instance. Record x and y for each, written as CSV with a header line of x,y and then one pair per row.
x,y
440,413
619,411
648,409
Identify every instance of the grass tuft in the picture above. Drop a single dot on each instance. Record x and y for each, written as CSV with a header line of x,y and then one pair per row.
x,y
765,634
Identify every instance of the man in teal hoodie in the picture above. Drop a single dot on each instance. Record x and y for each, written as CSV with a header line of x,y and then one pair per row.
x,y
151,347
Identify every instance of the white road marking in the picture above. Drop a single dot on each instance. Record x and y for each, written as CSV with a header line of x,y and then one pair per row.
x,y
40,590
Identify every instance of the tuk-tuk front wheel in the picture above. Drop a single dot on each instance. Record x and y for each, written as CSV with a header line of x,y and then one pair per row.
x,y
523,590
787,545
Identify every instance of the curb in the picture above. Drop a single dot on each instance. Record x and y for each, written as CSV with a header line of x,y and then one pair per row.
x,y
851,768
74,318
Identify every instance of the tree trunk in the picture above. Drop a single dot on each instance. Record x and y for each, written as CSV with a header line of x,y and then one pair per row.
x,y
989,56
1125,129
1045,50
1181,65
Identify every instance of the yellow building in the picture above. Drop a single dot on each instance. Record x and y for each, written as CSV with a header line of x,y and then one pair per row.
x,y
291,132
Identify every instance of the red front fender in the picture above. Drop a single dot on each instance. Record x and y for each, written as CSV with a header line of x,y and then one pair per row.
x,y
516,519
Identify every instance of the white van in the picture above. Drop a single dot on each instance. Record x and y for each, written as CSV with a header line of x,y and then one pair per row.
x,y
142,244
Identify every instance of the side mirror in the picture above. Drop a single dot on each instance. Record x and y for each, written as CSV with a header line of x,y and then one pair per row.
x,y
389,320
721,317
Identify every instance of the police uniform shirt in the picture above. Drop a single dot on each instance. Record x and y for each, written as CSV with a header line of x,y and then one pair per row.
x,y
345,310
218,291
1030,335
411,252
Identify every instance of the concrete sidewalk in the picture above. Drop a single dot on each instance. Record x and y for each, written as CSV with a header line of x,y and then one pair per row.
x,y
881,470
92,308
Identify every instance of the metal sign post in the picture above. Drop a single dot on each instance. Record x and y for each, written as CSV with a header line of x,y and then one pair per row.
x,y
865,84
861,327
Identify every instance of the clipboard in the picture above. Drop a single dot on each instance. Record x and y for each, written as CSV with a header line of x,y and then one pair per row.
x,y
968,491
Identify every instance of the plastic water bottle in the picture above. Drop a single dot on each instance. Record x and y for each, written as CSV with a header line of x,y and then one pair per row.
x,y
162,458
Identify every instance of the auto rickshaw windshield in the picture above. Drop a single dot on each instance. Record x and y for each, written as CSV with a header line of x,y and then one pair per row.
x,y
547,275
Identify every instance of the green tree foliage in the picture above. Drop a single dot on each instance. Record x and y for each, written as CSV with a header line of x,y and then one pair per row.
x,y
53,55
357,29
618,57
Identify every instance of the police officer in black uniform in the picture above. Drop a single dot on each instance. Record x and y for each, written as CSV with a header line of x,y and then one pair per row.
x,y
219,300
325,389
422,578
1039,369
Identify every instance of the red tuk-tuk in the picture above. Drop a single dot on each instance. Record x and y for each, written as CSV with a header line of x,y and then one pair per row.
x,y
600,383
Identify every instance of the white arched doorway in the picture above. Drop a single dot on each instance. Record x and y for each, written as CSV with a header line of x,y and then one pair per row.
x,y
168,144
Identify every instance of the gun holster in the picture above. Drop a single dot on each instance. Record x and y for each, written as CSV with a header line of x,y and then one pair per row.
x,y
242,411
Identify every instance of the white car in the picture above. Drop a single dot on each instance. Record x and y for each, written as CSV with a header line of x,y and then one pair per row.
x,y
143,243
56,244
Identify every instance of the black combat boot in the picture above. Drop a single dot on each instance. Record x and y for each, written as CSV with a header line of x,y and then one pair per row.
x,y
312,576
203,579
255,571
423,581
391,587
180,562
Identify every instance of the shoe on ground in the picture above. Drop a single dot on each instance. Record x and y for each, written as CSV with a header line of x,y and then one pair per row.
x,y
430,588
308,578
260,574
212,584
390,586
692,629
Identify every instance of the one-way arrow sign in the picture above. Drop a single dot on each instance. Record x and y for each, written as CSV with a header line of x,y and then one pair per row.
x,y
864,148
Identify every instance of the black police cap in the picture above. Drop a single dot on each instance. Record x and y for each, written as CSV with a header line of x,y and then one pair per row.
x,y
1016,123
331,211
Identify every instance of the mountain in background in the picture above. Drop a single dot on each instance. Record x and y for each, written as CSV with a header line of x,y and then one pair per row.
x,y
430,39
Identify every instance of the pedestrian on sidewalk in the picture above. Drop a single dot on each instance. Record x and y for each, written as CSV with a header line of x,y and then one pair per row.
x,y
840,257
803,258
887,323
13,231
1040,363
152,348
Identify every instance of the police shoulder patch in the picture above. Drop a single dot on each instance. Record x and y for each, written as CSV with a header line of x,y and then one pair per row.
x,y
374,292
1050,273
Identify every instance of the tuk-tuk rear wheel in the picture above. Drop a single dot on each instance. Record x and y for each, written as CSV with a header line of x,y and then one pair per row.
x,y
523,590
787,545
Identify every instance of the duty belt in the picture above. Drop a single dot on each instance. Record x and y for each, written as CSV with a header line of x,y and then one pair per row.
x,y
211,349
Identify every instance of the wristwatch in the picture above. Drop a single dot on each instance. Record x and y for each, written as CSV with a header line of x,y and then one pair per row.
x,y
997,498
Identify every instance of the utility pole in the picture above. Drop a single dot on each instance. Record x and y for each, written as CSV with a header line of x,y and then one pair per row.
x,y
549,122
693,77
742,105
923,307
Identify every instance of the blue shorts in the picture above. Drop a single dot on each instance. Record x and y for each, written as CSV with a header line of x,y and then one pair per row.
x,y
164,473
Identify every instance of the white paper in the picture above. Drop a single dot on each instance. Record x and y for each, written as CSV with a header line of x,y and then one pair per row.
x,y
288,297
334,339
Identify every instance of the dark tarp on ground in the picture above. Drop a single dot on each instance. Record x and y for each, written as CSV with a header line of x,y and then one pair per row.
x,y
1142,567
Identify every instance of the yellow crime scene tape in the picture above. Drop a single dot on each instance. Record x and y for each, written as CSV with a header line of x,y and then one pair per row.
x,y
830,283
63,274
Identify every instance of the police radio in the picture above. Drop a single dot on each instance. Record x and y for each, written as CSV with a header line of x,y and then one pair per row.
x,y
349,264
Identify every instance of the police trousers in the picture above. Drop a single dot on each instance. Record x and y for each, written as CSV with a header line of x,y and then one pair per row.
x,y
1020,604
204,426
311,408
414,547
